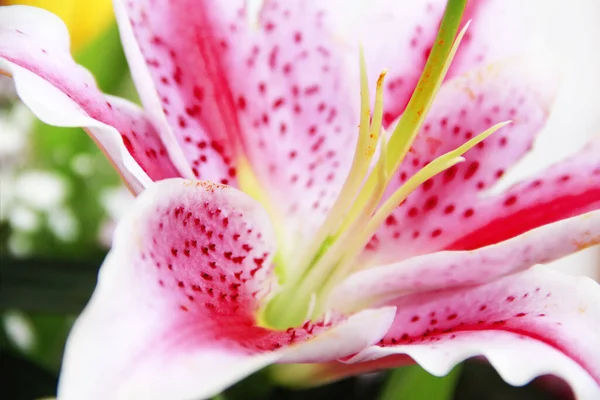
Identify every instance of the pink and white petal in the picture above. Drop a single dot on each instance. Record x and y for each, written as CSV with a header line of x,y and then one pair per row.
x,y
174,312
446,205
534,323
405,32
184,278
53,107
178,51
359,331
275,93
499,29
566,189
147,91
301,115
213,370
446,269
34,50
142,140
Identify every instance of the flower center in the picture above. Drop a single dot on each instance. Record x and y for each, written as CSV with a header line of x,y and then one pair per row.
x,y
360,208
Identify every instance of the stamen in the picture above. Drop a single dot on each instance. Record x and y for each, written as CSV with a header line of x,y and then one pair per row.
x,y
324,263
412,119
438,165
340,252
351,248
377,119
366,145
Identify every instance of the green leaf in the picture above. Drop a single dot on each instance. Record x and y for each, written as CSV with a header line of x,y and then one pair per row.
x,y
54,286
414,383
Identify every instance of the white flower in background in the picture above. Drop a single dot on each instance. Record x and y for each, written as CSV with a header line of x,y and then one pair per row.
x,y
28,196
40,190
14,127
19,330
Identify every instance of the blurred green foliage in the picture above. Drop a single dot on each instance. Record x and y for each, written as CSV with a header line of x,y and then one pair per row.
x,y
414,383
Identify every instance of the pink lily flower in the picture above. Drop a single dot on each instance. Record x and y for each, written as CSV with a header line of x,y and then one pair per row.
x,y
208,282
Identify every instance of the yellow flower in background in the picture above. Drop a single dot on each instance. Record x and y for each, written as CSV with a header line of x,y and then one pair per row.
x,y
86,19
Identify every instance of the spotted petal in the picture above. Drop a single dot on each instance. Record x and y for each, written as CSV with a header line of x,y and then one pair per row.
x,y
405,32
454,210
447,269
34,50
174,312
565,190
272,91
534,323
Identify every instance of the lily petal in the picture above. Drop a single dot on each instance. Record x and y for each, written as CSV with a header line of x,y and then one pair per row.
x,y
275,94
174,312
34,50
413,28
303,150
359,331
530,324
183,258
566,189
176,50
455,205
488,40
446,269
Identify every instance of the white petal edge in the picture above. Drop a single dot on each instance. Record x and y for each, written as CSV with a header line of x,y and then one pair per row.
x,y
41,24
446,269
358,332
517,364
516,357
